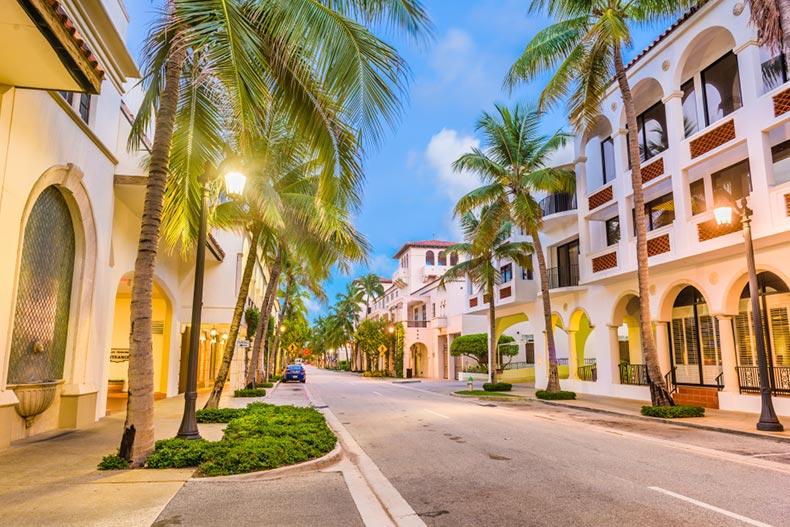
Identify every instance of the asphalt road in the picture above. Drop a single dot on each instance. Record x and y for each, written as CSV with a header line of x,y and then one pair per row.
x,y
458,462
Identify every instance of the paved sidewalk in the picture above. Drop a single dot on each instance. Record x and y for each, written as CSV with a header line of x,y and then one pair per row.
x,y
719,420
52,479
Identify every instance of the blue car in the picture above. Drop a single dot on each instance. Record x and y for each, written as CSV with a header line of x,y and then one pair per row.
x,y
295,372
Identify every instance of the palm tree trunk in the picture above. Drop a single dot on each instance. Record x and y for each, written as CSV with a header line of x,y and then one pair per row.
x,y
238,312
137,441
784,22
263,325
553,384
492,351
658,389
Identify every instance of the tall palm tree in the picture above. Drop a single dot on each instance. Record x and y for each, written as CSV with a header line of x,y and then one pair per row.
x,y
371,288
513,166
314,58
484,253
345,314
772,20
584,52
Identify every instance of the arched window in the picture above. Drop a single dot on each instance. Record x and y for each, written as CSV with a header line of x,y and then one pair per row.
x,y
453,258
775,310
429,258
696,351
442,258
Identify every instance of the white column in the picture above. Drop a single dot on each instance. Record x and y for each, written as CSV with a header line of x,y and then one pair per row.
x,y
451,373
573,359
729,359
749,70
603,356
662,346
541,360
614,358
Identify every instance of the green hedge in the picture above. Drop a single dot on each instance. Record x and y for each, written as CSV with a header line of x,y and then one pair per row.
x,y
497,386
261,437
561,395
673,412
219,415
264,384
113,462
375,374
483,393
256,392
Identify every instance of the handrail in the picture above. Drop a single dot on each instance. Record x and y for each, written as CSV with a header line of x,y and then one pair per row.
x,y
669,378
557,202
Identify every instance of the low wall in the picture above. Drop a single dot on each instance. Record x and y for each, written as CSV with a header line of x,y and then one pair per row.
x,y
517,375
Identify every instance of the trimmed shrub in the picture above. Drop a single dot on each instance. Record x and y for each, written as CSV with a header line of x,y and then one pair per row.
x,y
247,392
260,437
561,395
343,365
219,415
673,412
375,374
483,393
264,384
497,386
274,377
113,462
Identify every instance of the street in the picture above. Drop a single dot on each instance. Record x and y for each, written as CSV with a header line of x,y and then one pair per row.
x,y
462,462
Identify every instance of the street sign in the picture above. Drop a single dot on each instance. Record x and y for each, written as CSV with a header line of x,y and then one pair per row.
x,y
292,347
244,343
382,348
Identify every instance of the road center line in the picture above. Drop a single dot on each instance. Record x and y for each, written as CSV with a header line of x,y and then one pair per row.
x,y
713,508
377,393
436,413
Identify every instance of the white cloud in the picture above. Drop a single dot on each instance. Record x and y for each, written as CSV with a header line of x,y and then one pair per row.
x,y
313,306
443,149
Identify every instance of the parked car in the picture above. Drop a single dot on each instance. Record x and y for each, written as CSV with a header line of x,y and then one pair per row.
x,y
294,372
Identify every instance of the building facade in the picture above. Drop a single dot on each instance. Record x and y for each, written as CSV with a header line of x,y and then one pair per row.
x,y
714,126
70,204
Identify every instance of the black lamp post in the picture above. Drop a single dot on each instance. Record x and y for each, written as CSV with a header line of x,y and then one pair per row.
x,y
391,329
234,186
768,420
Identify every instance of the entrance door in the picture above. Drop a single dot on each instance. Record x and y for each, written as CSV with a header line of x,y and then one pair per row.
x,y
696,351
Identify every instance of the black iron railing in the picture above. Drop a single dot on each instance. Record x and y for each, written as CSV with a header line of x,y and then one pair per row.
x,y
779,376
562,362
720,381
669,378
634,374
518,365
588,372
417,323
587,362
566,276
559,202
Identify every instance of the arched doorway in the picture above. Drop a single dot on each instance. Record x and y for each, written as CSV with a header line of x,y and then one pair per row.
x,y
43,298
630,358
118,372
695,349
579,330
775,304
418,361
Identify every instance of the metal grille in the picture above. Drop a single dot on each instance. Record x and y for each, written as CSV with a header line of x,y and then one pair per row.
x,y
653,170
707,230
658,245
787,204
605,261
713,139
599,198
41,315
157,327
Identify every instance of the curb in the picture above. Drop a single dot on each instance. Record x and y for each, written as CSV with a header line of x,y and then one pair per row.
x,y
514,399
312,465
669,421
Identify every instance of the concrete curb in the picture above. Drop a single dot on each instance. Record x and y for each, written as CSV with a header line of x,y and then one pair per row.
x,y
514,399
312,465
679,422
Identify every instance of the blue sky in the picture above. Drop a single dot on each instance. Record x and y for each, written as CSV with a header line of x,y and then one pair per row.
x,y
410,187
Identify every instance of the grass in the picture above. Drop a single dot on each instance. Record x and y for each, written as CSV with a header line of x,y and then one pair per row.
x,y
483,393
259,437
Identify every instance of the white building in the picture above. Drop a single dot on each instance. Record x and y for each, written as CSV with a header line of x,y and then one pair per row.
x,y
714,123
70,204
432,316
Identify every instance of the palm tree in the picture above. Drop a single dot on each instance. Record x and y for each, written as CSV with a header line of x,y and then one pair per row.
x,y
772,20
513,167
345,314
584,51
484,253
371,288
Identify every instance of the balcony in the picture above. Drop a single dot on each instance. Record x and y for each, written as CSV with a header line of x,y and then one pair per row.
x,y
401,277
564,276
433,272
416,323
557,203
439,322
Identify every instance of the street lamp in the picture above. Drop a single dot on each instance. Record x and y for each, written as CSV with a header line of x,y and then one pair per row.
x,y
234,186
723,214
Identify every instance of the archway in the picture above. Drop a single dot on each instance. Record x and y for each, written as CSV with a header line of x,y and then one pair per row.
x,y
775,306
579,330
118,372
695,348
418,360
630,357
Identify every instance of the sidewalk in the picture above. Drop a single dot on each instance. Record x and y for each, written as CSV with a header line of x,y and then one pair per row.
x,y
718,420
52,479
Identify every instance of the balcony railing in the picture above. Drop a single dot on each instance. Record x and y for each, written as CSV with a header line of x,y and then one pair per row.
x,y
588,372
562,362
634,374
749,379
417,323
564,276
558,202
518,366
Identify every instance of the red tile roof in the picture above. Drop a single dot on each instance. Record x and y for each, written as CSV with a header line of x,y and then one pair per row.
x,y
76,37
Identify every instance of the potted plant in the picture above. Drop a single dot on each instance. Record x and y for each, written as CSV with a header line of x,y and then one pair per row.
x,y
115,385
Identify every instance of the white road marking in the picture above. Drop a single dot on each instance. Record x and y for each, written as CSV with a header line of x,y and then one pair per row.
x,y
436,413
377,393
713,508
771,455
